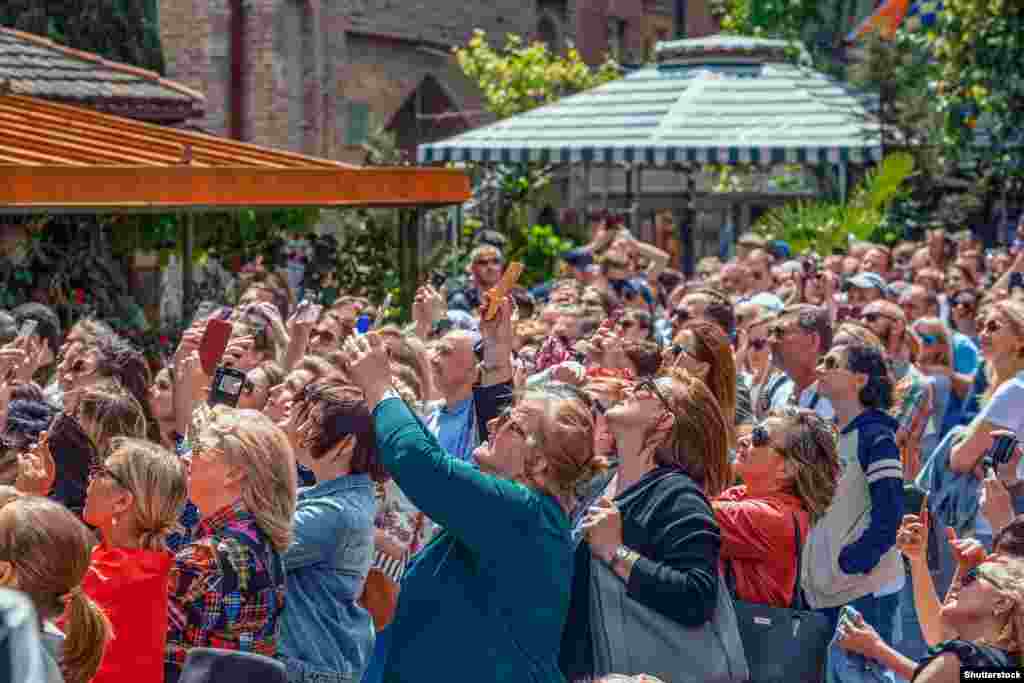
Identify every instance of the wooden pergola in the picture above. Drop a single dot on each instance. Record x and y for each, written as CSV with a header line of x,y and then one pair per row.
x,y
61,158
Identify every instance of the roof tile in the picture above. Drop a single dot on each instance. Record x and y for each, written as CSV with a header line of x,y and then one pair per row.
x,y
37,66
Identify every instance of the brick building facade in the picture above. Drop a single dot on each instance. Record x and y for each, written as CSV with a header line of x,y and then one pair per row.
x,y
315,76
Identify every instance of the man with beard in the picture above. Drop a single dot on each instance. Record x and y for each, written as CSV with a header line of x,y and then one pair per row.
x,y
801,335
914,400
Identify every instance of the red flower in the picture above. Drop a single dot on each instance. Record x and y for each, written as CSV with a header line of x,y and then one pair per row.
x,y
164,340
79,296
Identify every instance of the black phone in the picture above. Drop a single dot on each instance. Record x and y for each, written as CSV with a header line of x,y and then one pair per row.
x,y
1016,281
438,279
227,386
1001,452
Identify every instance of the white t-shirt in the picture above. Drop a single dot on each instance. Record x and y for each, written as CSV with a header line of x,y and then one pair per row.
x,y
1005,410
809,398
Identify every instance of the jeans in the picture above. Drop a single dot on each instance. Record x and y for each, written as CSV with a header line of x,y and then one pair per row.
x,y
846,667
299,672
378,662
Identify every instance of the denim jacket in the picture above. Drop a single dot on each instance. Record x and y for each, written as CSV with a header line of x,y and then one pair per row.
x,y
325,630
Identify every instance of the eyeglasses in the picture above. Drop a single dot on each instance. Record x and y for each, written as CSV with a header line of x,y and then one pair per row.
x,y
873,317
505,419
973,575
98,470
651,385
831,363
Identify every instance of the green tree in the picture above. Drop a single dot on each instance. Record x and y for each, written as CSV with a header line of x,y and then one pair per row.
x,y
521,76
120,30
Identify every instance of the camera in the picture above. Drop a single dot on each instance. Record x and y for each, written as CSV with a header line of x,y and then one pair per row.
x,y
1001,452
227,386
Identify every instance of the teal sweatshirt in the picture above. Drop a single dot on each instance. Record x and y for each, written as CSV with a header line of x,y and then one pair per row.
x,y
487,599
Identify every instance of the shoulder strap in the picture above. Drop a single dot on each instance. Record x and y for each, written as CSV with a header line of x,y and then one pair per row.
x,y
799,599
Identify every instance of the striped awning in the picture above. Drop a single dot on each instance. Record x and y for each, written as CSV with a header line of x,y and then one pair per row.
x,y
719,100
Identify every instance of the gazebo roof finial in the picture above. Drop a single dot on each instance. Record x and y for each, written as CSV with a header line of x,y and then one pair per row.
x,y
724,48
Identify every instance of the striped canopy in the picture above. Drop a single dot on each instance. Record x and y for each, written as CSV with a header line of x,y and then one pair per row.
x,y
718,100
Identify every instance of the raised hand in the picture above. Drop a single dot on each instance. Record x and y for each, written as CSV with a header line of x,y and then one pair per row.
x,y
365,358
36,469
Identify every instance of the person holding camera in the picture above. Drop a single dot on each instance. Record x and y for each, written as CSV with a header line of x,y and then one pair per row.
x,y
1002,344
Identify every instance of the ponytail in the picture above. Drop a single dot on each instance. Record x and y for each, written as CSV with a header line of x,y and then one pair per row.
x,y
88,632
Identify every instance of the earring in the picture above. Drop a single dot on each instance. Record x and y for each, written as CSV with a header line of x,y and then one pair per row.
x,y
113,520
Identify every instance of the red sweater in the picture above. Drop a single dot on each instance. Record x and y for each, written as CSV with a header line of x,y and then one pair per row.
x,y
131,587
757,537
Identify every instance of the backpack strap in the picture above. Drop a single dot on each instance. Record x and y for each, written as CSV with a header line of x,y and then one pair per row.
x,y
799,599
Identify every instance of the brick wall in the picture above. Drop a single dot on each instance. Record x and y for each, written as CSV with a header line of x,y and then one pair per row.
x,y
443,21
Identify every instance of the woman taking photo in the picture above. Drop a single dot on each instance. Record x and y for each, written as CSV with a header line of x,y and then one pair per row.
x,y
227,587
486,600
325,634
987,613
135,496
652,524
789,466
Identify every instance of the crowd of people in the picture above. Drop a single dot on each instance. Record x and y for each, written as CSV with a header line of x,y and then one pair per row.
x,y
476,495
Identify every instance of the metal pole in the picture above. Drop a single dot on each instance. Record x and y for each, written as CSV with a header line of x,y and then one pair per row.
x,y
188,244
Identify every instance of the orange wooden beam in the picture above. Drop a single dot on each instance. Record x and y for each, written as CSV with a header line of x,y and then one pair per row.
x,y
109,188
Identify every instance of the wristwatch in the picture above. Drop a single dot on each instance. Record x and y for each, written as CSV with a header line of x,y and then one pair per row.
x,y
624,555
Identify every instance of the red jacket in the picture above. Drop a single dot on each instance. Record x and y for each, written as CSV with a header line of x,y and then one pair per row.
x,y
757,537
131,587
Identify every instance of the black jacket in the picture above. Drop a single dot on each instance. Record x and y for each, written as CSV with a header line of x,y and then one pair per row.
x,y
667,519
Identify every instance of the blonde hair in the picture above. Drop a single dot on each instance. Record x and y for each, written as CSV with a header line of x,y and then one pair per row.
x,y
565,436
699,441
113,411
252,441
156,479
1007,577
812,443
1014,311
50,552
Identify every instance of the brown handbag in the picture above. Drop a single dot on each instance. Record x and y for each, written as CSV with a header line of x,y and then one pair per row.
x,y
380,597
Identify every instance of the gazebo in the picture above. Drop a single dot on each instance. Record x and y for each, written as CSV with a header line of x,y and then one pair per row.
x,y
718,100
61,158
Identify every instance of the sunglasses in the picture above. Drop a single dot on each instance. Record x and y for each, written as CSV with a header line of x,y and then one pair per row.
x,y
326,336
651,385
487,262
831,364
629,324
98,470
681,314
758,344
873,317
964,303
992,326
679,350
928,339
779,332
759,437
505,419
973,575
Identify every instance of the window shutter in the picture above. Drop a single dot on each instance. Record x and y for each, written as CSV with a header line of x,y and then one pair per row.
x,y
358,123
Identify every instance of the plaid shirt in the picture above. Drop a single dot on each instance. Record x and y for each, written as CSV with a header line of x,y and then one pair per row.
x,y
226,589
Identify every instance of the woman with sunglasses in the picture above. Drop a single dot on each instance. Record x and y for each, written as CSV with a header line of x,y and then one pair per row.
x,y
963,312
652,524
790,467
853,559
326,635
227,587
135,496
987,613
1002,345
486,600
931,344
703,351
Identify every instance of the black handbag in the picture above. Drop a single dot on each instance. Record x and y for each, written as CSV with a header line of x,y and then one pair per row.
x,y
783,644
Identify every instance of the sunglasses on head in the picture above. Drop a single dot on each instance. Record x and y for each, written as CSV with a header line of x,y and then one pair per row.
x,y
650,384
831,363
97,470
